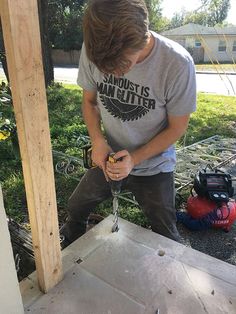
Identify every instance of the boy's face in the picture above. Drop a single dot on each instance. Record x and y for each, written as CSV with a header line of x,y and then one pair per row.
x,y
132,58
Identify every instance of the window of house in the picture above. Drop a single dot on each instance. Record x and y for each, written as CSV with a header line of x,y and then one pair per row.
x,y
198,43
222,45
234,46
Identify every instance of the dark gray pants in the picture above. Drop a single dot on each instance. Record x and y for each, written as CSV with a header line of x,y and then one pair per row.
x,y
155,195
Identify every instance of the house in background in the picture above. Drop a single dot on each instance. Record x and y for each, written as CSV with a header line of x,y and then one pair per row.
x,y
206,44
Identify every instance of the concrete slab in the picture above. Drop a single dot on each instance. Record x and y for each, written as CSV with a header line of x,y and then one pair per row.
x,y
136,271
81,292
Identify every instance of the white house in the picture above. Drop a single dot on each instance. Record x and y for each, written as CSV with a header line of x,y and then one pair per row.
x,y
206,44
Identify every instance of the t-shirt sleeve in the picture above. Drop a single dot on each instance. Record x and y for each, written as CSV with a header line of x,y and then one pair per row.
x,y
85,74
181,95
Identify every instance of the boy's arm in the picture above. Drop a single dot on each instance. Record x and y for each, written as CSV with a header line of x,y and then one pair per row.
x,y
176,127
91,114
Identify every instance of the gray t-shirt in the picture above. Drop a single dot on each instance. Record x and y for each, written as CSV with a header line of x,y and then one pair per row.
x,y
134,108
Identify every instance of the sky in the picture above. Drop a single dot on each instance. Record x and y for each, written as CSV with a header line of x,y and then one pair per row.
x,y
170,7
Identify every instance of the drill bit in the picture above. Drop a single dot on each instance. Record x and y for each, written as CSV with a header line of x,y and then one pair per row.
x,y
115,226
115,190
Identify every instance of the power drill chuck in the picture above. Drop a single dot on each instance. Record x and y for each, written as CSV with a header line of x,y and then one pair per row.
x,y
115,187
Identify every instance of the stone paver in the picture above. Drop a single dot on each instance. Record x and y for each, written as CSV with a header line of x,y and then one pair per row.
x,y
137,271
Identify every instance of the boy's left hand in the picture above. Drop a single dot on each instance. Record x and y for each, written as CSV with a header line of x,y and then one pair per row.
x,y
120,169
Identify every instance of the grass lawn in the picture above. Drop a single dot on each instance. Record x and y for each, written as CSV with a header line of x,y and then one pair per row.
x,y
215,115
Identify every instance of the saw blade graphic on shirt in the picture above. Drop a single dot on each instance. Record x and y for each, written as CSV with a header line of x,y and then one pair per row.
x,y
123,111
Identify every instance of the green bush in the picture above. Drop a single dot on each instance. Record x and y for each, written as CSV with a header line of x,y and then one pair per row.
x,y
14,196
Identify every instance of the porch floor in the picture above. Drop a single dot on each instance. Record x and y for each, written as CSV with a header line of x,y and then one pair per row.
x,y
134,271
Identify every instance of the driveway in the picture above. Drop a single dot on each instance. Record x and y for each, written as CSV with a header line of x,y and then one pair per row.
x,y
220,84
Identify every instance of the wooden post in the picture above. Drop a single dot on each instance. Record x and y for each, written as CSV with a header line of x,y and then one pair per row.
x,y
20,25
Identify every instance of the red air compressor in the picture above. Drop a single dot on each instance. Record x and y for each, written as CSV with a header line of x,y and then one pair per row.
x,y
212,206
219,215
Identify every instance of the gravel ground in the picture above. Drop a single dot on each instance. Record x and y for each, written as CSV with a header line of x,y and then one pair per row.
x,y
214,242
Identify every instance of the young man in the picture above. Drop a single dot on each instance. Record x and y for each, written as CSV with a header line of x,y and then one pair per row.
x,y
141,88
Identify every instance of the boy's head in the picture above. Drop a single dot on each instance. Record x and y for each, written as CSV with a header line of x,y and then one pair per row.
x,y
115,31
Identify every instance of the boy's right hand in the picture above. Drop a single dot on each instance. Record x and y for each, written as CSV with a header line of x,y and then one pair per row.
x,y
100,151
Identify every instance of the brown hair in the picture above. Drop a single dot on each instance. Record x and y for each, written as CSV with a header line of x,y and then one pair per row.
x,y
111,27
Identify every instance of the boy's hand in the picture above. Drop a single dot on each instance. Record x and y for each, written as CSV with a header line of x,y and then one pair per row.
x,y
120,169
100,151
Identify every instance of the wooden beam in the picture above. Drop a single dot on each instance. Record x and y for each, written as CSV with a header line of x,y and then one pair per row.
x,y
20,24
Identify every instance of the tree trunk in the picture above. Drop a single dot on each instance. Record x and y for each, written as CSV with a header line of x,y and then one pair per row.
x,y
46,47
3,54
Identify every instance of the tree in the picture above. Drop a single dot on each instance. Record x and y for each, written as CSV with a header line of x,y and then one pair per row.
x,y
177,19
65,20
46,46
218,11
157,22
210,13
3,54
200,18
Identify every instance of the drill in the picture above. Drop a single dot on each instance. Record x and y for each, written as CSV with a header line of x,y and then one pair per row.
x,y
115,185
115,191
